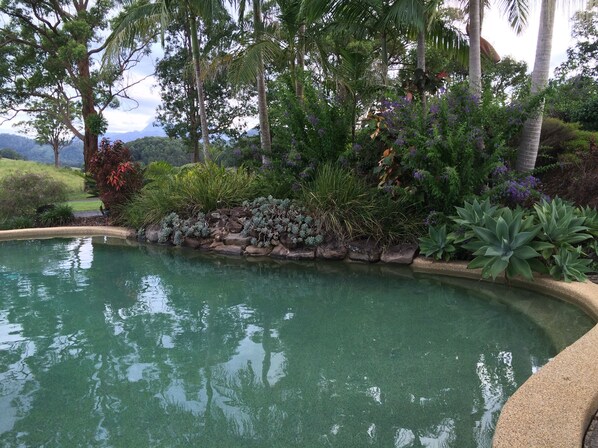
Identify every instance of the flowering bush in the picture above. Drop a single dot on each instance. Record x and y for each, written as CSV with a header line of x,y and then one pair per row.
x,y
513,189
308,132
117,178
444,152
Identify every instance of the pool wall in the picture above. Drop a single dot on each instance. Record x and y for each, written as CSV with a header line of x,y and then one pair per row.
x,y
553,408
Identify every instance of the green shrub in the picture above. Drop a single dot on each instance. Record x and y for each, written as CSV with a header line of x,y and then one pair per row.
x,y
8,153
21,194
17,222
207,186
56,216
445,152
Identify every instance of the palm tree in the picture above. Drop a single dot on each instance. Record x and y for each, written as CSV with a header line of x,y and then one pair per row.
x,y
253,63
516,11
141,20
530,139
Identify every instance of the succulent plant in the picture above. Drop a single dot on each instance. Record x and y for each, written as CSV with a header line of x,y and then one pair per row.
x,y
175,229
273,220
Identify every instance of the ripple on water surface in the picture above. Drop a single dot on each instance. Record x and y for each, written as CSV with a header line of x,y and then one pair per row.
x,y
108,345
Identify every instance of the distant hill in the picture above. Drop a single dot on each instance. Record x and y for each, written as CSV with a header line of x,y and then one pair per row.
x,y
71,155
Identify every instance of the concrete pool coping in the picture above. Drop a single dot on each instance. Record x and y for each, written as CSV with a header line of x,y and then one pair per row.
x,y
553,408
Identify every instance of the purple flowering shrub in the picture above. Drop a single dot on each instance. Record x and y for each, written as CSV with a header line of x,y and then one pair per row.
x,y
512,189
308,133
444,152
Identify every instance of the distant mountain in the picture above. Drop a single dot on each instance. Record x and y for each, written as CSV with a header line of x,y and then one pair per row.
x,y
148,131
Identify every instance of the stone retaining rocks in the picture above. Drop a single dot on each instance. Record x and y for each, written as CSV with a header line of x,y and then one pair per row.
x,y
364,251
399,254
226,238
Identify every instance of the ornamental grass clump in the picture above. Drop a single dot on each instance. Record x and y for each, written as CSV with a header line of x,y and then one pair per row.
x,y
188,190
349,209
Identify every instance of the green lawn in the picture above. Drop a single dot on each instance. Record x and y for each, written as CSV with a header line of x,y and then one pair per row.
x,y
68,176
85,205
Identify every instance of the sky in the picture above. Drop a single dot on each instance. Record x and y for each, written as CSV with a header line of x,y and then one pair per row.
x,y
135,116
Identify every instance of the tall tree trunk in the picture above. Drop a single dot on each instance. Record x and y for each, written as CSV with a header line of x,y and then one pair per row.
x,y
475,62
203,117
421,59
300,63
262,102
88,112
530,138
384,51
56,150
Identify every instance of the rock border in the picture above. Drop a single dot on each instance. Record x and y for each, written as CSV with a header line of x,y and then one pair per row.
x,y
553,408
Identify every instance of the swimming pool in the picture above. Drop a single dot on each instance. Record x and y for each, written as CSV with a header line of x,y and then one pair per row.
x,y
109,345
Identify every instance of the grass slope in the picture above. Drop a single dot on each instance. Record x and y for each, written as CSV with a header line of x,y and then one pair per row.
x,y
67,176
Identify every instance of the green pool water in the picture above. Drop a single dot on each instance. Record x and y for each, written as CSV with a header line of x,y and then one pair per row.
x,y
104,344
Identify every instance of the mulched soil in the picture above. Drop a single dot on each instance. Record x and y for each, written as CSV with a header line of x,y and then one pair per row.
x,y
93,221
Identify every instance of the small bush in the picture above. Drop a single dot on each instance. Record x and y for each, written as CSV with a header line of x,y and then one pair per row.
x,y
207,186
21,194
17,222
58,215
117,177
8,153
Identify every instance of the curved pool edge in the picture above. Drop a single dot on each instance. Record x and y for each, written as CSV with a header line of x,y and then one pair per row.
x,y
66,232
554,407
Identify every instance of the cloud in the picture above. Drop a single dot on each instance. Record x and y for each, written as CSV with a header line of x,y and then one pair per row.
x,y
497,31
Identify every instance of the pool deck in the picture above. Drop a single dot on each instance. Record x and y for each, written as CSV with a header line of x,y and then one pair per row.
x,y
553,408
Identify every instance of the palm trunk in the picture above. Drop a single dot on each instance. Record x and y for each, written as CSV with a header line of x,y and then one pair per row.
x,y
262,103
300,63
475,62
203,117
384,49
421,59
530,138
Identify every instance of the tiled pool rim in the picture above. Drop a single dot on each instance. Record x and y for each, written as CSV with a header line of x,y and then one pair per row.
x,y
553,408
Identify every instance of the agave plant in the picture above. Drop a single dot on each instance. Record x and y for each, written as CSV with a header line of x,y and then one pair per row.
x,y
438,243
568,265
505,244
560,225
472,215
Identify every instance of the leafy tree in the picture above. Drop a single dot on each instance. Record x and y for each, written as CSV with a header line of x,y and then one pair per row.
x,y
574,95
582,59
50,48
179,112
50,129
8,153
506,79
152,149
143,18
